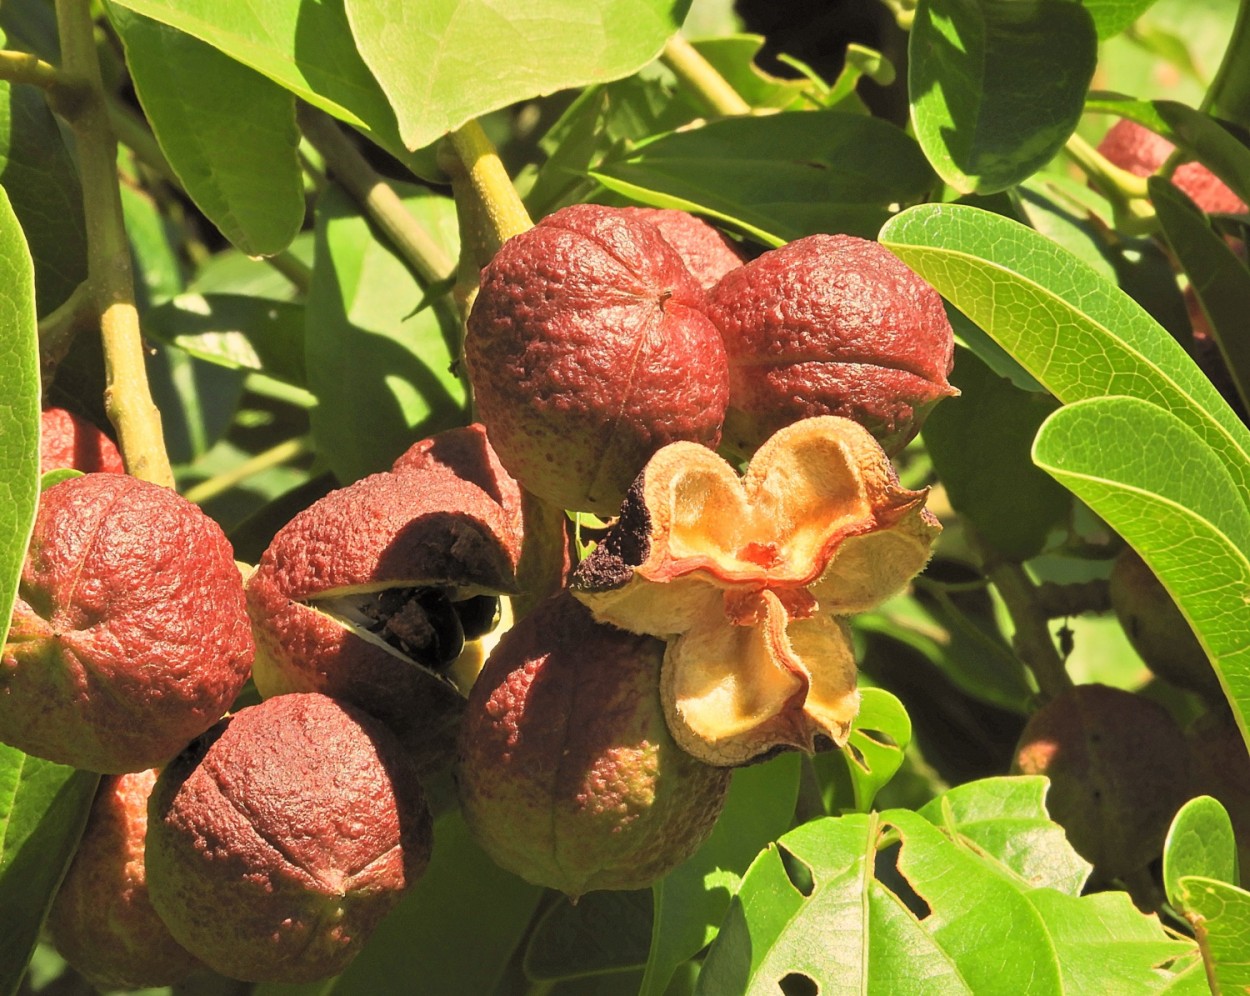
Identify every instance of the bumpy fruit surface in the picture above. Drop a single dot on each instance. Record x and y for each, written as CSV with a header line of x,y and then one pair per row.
x,y
707,253
279,839
70,441
102,921
1157,630
588,350
831,325
1118,769
1141,151
130,634
568,775
370,594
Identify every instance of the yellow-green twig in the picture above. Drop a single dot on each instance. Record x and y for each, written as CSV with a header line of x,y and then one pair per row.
x,y
702,79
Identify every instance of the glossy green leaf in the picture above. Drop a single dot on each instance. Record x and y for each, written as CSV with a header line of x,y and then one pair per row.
x,y
691,900
43,807
1113,16
605,932
306,48
1220,914
1006,819
235,331
997,86
381,370
832,921
228,132
19,415
874,752
1218,277
979,443
1201,842
734,57
1154,481
1197,133
442,62
54,477
781,176
1065,213
1079,335
39,177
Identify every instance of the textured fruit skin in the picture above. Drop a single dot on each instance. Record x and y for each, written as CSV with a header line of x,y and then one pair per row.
x,y
1157,630
102,921
423,525
831,325
279,840
568,775
707,253
70,441
1139,150
130,634
588,350
1118,769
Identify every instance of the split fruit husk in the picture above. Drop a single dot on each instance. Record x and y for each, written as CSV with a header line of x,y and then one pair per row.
x,y
280,839
750,581
102,921
589,349
1118,768
831,325
371,594
130,634
568,776
707,253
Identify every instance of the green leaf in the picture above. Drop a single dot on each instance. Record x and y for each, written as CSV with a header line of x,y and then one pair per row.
x,y
1218,277
997,85
1005,819
235,331
979,443
1220,914
874,751
1079,335
1201,842
382,374
39,178
442,62
733,56
691,900
1200,135
605,932
228,132
462,921
1063,212
19,415
43,807
781,176
306,48
1154,481
54,477
1113,16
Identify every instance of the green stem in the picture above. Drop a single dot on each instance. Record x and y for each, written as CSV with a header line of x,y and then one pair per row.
x,y
702,79
1126,191
425,256
1228,96
1032,640
127,396
58,328
495,202
64,90
275,456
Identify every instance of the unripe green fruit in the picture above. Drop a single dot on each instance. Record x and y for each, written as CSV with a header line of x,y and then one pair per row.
x,y
1118,770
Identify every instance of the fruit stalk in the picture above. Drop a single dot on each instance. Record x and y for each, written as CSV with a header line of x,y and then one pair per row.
x,y
496,199
701,78
127,397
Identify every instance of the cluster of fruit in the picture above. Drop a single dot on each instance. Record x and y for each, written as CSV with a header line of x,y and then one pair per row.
x,y
609,350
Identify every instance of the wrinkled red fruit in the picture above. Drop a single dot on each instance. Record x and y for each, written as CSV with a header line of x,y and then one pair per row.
x,y
102,921
1141,151
73,442
707,253
831,325
130,633
568,775
279,840
368,594
1118,768
588,350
